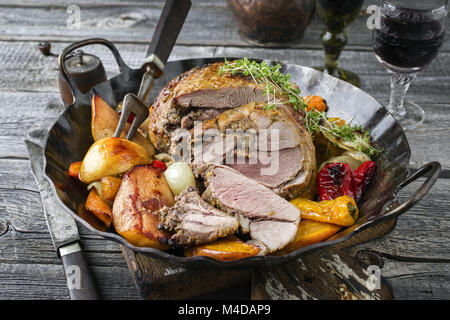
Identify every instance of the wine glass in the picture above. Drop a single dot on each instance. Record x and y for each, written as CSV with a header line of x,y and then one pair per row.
x,y
337,14
407,40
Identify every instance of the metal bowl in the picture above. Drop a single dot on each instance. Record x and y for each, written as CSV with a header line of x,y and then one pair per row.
x,y
70,137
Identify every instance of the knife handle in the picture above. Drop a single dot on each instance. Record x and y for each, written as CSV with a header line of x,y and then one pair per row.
x,y
80,282
166,33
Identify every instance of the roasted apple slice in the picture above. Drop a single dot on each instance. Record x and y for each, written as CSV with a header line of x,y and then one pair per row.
x,y
104,124
143,190
107,187
111,157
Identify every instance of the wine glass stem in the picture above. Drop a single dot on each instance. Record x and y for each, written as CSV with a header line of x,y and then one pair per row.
x,y
399,86
333,43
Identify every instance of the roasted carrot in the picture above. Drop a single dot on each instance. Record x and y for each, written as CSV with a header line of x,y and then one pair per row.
x,y
74,169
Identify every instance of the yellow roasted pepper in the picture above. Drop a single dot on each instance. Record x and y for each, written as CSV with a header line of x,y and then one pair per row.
x,y
341,211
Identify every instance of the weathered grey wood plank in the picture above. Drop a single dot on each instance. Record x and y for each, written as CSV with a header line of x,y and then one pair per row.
x,y
25,69
208,23
46,281
418,281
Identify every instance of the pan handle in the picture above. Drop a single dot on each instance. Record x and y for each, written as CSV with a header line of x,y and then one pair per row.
x,y
123,68
435,169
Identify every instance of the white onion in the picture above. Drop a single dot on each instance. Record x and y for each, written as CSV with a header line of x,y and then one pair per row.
x,y
179,176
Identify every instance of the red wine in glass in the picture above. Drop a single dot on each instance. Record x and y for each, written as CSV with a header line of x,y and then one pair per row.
x,y
408,39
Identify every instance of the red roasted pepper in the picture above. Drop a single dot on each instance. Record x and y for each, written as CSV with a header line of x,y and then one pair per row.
x,y
335,180
361,178
160,165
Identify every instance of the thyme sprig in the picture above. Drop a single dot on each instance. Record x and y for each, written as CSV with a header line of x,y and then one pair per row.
x,y
279,89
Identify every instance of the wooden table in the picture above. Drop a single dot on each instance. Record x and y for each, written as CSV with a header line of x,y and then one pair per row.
x,y
415,256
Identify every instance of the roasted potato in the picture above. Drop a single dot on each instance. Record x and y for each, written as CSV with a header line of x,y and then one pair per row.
x,y
101,209
226,249
110,157
104,124
143,190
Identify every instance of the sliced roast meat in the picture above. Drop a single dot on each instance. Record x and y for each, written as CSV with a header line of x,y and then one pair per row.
x,y
197,88
288,169
271,219
221,98
195,221
273,174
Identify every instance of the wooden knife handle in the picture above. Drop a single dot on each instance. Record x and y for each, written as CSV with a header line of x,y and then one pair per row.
x,y
79,277
166,32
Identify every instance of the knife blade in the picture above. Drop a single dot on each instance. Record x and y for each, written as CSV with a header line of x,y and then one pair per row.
x,y
63,232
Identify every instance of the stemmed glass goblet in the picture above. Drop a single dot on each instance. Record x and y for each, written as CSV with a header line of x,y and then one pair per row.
x,y
407,40
337,14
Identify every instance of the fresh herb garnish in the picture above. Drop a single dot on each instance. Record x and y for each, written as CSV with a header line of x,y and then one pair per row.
x,y
280,90
278,86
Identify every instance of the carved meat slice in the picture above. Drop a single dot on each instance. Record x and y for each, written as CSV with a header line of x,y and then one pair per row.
x,y
270,219
282,149
195,221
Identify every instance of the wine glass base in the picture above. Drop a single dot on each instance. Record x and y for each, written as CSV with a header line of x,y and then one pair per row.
x,y
342,74
409,120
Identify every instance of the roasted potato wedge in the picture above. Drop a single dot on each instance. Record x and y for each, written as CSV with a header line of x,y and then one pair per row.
x,y
143,190
226,249
101,209
104,124
310,232
111,157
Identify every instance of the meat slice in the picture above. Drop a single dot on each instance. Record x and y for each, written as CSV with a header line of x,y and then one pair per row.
x,y
197,89
282,149
289,166
195,221
271,219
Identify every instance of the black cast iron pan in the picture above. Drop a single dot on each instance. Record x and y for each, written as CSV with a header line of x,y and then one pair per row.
x,y
70,137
